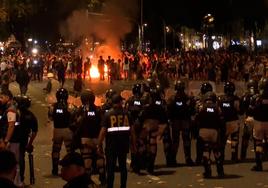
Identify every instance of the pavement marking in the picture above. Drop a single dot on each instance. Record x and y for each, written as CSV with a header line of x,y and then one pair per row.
x,y
152,177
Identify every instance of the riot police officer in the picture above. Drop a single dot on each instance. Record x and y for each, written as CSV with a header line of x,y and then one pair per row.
x,y
252,89
60,114
205,87
28,130
259,107
134,106
116,129
229,104
10,133
209,123
89,119
180,109
154,120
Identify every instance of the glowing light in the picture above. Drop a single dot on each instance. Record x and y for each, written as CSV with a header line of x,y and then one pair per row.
x,y
94,72
34,51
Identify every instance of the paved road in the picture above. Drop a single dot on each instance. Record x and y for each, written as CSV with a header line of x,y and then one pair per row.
x,y
237,175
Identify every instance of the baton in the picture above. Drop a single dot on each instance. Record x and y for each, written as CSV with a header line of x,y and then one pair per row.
x,y
31,167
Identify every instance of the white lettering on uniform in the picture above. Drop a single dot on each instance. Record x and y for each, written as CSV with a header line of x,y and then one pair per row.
x,y
226,105
117,129
210,110
137,103
179,103
59,111
91,113
158,102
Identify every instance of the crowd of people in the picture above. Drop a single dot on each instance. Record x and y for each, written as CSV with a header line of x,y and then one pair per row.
x,y
135,124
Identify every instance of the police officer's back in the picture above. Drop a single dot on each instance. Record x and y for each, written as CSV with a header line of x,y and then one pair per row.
x,y
229,104
180,109
28,129
252,90
89,120
259,108
60,114
210,127
116,129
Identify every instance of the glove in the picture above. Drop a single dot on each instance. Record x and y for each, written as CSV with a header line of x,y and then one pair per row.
x,y
29,148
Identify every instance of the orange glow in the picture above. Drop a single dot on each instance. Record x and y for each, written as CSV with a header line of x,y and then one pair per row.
x,y
94,72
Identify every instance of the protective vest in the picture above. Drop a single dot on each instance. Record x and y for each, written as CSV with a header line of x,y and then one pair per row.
x,y
209,116
227,105
260,109
61,115
179,108
90,121
118,131
135,105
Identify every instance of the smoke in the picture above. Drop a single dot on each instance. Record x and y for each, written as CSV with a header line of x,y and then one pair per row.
x,y
109,26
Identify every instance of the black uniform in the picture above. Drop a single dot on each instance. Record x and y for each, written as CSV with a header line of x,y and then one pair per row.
x,y
230,115
258,110
29,125
153,118
62,132
229,104
244,109
134,106
180,109
117,124
209,123
199,99
89,129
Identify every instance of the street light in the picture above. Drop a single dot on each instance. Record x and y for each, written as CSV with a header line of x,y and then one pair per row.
x,y
208,21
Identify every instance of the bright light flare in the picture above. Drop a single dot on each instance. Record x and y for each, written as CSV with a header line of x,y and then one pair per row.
x,y
94,72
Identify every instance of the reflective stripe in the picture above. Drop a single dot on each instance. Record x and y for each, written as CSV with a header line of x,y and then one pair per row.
x,y
115,129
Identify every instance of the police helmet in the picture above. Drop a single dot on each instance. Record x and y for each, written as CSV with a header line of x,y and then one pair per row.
x,y
210,96
62,94
109,93
229,88
263,85
179,85
205,87
252,84
136,89
23,102
87,97
155,94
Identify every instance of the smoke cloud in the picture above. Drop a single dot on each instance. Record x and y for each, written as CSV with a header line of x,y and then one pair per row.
x,y
109,26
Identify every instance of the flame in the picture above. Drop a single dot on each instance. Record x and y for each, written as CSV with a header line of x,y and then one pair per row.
x,y
94,72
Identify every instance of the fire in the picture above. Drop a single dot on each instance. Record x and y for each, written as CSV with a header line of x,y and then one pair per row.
x,y
94,72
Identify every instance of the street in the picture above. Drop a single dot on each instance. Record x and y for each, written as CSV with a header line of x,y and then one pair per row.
x,y
237,175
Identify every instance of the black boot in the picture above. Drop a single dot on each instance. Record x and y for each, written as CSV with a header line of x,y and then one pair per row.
x,y
234,157
207,168
188,159
220,170
55,168
258,159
